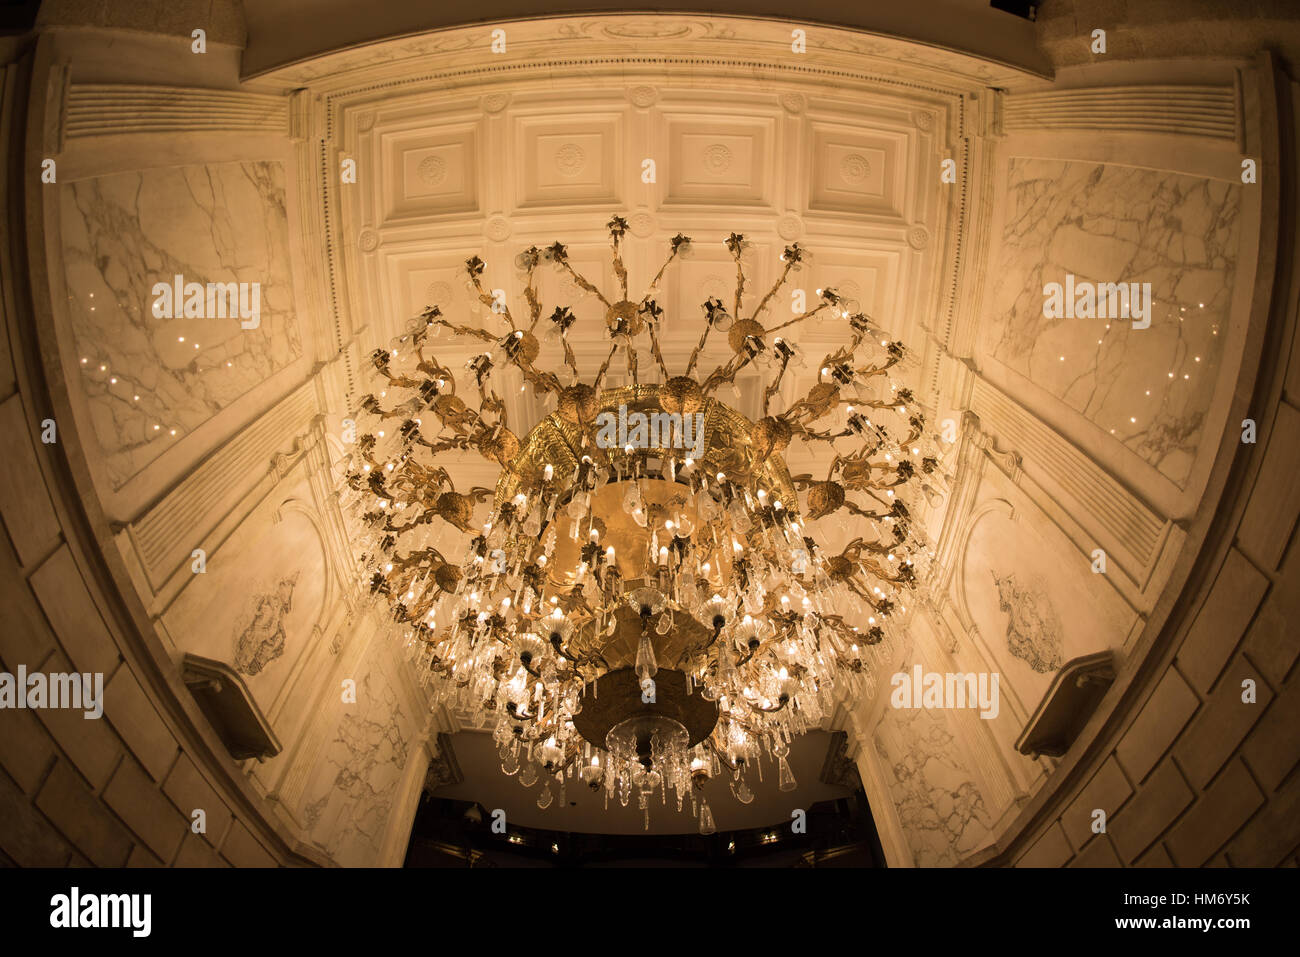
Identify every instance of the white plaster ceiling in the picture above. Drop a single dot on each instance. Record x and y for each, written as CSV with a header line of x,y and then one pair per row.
x,y
490,170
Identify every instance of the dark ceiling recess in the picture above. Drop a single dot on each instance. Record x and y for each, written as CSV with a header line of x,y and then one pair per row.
x,y
17,16
449,833
1026,9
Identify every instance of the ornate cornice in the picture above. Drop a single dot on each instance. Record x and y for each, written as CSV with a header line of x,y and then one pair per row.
x,y
838,769
444,770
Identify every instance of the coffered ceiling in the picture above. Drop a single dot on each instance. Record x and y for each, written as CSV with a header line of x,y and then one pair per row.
x,y
494,169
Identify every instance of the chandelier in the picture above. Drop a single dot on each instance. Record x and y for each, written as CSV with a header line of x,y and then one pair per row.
x,y
642,607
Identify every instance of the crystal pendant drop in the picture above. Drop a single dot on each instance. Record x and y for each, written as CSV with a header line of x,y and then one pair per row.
x,y
706,818
645,657
741,792
785,776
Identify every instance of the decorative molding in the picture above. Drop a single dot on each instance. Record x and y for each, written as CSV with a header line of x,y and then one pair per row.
x,y
113,109
967,471
839,770
423,81
432,170
760,41
497,229
1008,460
854,168
164,535
570,159
794,103
282,462
1205,111
1100,501
789,226
643,96
444,770
642,223
716,159
56,109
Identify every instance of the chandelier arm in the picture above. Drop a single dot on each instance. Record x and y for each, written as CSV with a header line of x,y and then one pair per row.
x,y
734,244
620,270
400,381
744,725
432,368
874,516
600,376
489,401
829,437
753,707
773,291
725,373
582,281
654,283
776,383
374,408
630,350
655,351
491,302
843,353
717,753
871,490
800,318
467,331
867,371
424,518
460,442
576,659
545,381
530,293
699,347
569,359
881,403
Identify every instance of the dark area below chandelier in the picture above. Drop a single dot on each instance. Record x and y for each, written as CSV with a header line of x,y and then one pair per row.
x,y
452,834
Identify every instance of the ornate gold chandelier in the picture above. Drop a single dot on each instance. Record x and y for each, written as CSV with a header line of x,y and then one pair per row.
x,y
642,606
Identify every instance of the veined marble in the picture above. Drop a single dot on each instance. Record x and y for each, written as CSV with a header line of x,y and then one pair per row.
x,y
356,783
123,233
1149,388
939,805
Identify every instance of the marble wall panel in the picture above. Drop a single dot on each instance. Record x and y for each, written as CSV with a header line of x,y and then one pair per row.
x,y
350,796
146,377
1149,388
938,802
